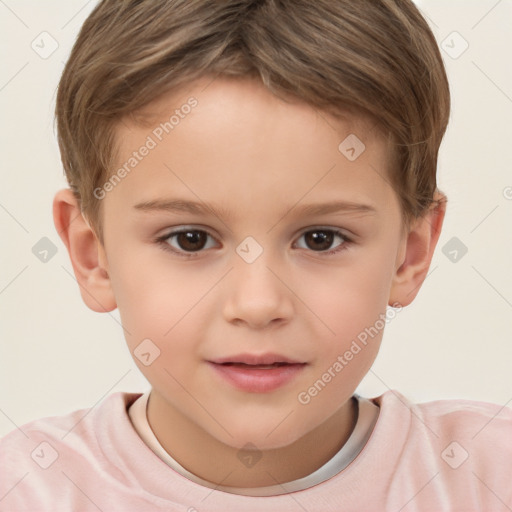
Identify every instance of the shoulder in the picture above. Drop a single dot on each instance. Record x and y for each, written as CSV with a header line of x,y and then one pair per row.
x,y
460,450
482,424
455,417
32,456
69,427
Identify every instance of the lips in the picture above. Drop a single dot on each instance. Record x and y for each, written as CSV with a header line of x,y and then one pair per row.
x,y
256,359
254,373
257,366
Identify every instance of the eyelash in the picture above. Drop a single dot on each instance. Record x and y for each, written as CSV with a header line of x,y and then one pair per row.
x,y
163,241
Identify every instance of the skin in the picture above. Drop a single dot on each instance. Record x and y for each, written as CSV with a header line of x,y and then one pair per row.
x,y
260,159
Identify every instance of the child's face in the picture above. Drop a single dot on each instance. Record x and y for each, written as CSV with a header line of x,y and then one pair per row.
x,y
259,161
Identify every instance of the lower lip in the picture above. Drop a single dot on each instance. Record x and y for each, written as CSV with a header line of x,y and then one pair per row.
x,y
258,380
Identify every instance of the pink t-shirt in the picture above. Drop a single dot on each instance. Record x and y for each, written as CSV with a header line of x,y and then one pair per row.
x,y
447,455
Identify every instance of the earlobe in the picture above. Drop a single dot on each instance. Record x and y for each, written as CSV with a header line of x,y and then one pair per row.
x,y
85,251
417,251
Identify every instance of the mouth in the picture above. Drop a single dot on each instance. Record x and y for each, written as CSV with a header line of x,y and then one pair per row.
x,y
257,373
258,366
269,360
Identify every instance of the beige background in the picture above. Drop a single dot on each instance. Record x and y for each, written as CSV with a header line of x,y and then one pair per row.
x,y
455,340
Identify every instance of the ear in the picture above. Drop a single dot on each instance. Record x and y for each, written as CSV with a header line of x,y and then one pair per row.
x,y
87,254
416,253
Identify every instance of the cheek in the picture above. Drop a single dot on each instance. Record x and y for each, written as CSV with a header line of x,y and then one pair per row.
x,y
151,296
352,309
165,304
351,306
347,300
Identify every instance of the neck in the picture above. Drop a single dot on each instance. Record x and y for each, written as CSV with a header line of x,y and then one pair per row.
x,y
214,461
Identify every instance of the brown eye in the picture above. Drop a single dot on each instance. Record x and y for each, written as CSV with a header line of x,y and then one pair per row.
x,y
190,240
321,240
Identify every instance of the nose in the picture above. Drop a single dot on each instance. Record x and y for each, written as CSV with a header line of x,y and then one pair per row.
x,y
257,295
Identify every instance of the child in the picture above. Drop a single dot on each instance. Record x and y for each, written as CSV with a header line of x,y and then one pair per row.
x,y
253,185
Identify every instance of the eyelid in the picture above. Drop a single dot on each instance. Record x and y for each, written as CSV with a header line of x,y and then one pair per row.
x,y
337,232
184,229
162,240
345,233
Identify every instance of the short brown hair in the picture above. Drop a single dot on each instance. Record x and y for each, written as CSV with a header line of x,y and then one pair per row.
x,y
375,57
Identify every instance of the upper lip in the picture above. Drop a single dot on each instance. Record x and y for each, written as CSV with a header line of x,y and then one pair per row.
x,y
256,359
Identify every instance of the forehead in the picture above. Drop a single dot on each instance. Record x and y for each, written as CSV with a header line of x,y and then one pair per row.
x,y
232,139
253,101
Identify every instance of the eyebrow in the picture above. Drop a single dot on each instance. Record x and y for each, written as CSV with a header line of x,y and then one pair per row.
x,y
201,208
